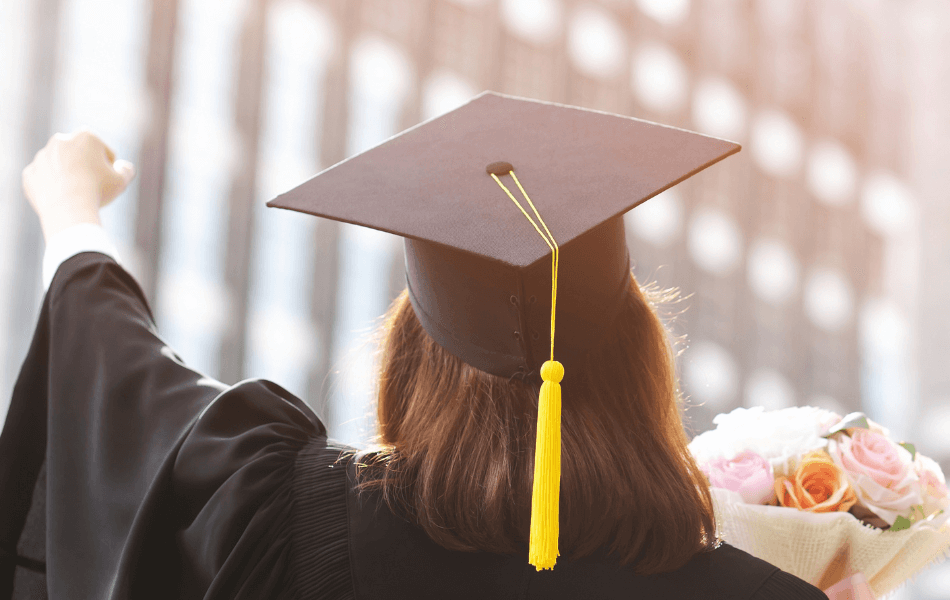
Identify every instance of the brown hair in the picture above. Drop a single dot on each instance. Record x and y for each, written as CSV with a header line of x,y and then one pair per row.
x,y
457,443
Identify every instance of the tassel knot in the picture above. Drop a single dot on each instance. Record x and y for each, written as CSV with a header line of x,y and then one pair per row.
x,y
552,371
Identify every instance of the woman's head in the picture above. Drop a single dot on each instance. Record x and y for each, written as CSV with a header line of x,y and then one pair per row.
x,y
458,445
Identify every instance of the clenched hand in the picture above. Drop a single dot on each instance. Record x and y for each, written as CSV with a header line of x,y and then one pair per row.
x,y
71,178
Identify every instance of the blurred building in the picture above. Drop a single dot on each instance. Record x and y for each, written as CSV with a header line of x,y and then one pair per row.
x,y
815,265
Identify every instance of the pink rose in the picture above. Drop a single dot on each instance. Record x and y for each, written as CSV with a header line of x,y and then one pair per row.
x,y
748,474
880,471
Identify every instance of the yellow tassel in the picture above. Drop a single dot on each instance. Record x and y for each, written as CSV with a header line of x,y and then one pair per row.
x,y
545,496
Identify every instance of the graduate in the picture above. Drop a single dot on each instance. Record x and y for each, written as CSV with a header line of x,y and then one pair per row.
x,y
530,441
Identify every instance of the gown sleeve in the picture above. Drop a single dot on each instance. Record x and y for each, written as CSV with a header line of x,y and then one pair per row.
x,y
161,482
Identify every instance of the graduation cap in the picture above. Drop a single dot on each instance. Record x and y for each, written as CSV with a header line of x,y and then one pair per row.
x,y
512,215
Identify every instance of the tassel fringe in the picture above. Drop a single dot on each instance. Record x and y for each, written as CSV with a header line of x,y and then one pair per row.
x,y
545,497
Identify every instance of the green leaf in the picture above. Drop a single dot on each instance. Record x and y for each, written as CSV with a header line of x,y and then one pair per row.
x,y
900,523
910,448
855,419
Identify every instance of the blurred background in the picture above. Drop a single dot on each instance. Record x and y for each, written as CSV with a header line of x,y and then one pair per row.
x,y
816,263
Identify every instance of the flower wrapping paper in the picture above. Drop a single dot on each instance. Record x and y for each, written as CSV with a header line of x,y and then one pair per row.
x,y
804,543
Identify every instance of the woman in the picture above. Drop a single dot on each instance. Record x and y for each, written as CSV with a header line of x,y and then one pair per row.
x,y
161,482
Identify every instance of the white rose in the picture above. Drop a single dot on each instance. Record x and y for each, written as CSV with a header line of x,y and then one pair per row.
x,y
781,436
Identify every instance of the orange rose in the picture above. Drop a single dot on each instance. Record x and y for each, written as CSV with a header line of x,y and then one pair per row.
x,y
819,485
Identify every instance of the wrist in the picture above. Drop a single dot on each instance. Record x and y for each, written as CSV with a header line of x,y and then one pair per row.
x,y
53,224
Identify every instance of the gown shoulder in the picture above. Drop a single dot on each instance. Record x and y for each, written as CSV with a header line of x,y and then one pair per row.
x,y
389,556
781,585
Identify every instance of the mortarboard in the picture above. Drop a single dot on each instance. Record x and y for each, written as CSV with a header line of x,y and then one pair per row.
x,y
478,194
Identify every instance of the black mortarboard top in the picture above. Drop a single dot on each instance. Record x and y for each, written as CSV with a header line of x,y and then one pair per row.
x,y
479,273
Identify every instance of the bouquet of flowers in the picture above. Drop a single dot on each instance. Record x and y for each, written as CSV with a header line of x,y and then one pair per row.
x,y
803,487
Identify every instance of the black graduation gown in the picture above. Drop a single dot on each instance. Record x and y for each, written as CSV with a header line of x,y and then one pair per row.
x,y
126,474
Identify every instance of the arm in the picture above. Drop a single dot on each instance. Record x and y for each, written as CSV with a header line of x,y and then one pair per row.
x,y
162,482
65,184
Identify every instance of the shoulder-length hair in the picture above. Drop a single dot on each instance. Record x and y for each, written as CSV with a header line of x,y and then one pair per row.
x,y
457,446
